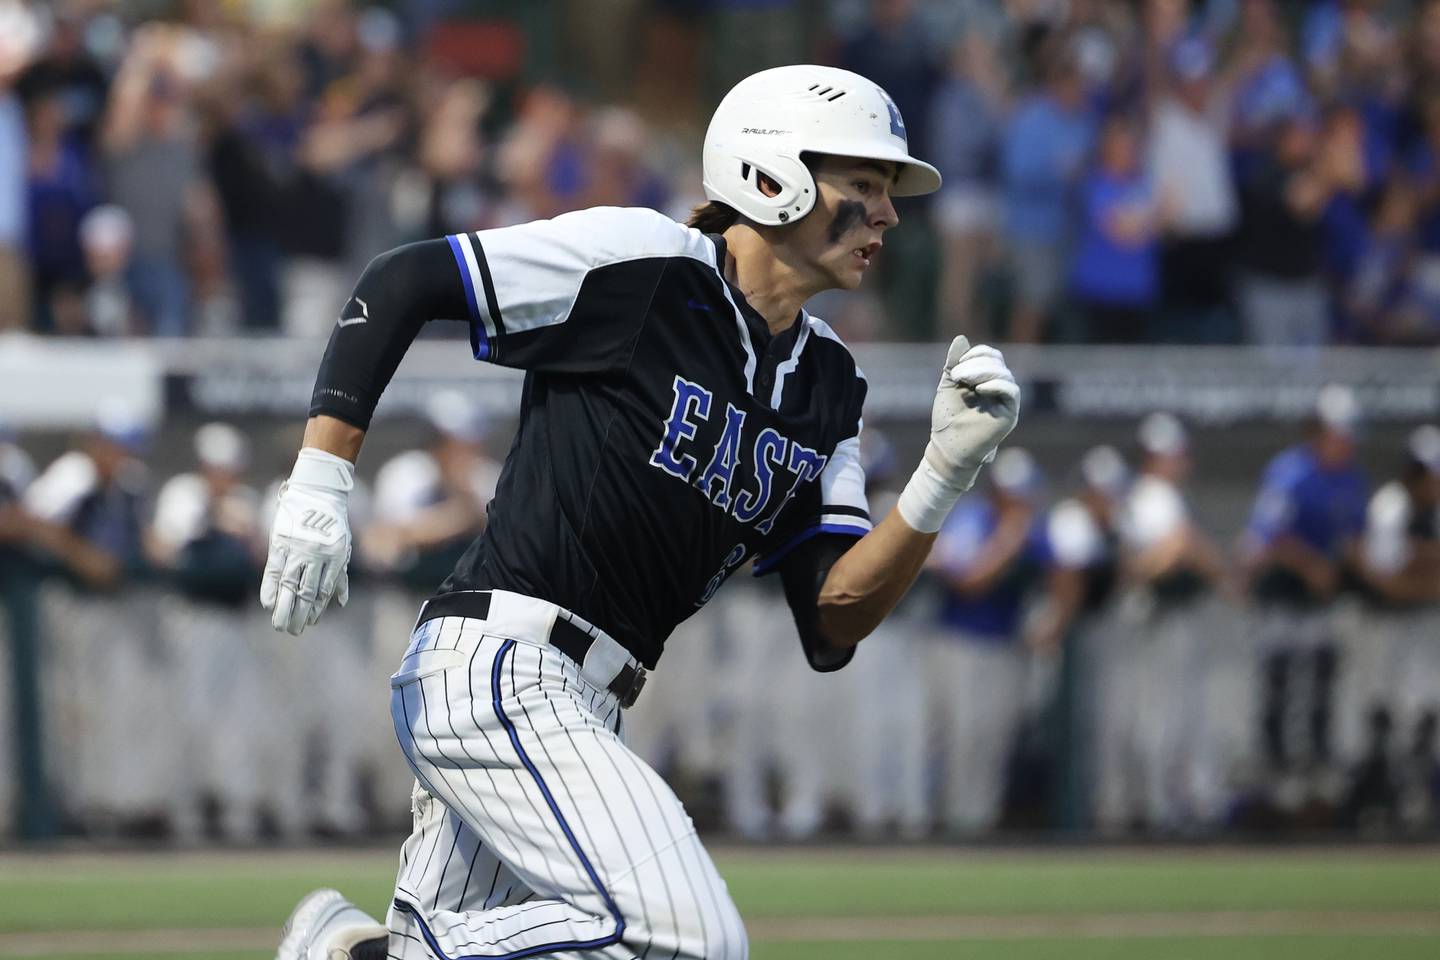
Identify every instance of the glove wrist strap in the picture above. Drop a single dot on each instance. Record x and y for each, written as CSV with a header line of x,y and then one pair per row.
x,y
317,468
928,498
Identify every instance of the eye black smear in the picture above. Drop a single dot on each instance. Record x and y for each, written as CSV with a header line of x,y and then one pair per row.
x,y
849,215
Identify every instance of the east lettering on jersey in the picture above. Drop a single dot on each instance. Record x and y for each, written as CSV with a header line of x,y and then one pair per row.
x,y
665,437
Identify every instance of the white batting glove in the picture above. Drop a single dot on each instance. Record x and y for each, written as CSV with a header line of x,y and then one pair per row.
x,y
976,406
309,542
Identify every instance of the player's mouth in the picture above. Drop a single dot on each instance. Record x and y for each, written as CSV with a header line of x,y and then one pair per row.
x,y
866,253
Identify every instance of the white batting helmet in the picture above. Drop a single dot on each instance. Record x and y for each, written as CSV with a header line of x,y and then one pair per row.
x,y
771,118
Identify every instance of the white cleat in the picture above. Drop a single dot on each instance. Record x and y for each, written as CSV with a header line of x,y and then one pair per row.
x,y
326,926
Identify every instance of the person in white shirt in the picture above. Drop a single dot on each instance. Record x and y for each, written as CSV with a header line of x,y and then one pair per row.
x,y
1400,560
1190,160
1169,567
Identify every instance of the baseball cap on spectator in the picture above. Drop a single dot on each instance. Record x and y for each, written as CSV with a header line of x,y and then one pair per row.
x,y
1103,470
457,417
1337,410
222,447
1423,447
107,228
1015,472
378,31
123,424
21,34
1163,435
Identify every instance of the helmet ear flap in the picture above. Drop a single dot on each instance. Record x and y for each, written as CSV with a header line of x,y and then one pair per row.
x,y
795,200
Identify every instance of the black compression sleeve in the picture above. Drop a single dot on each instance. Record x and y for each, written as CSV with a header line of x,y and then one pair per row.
x,y
398,292
803,573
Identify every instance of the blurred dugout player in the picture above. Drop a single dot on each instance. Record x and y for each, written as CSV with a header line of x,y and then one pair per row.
x,y
1308,513
206,535
1078,549
17,470
1401,557
769,715
104,665
984,559
879,755
1169,568
429,504
870,759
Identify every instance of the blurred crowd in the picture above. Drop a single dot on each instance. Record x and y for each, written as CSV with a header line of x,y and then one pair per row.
x,y
1215,171
1080,654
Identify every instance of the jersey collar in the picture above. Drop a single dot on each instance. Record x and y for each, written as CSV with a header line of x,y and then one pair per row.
x,y
760,334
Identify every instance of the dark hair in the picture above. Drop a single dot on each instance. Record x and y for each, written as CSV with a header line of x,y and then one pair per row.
x,y
712,216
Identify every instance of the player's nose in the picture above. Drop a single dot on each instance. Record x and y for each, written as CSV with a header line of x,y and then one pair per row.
x,y
883,217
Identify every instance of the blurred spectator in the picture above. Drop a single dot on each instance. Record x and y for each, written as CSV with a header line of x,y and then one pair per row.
x,y
1282,297
1307,515
86,507
984,559
1191,164
1076,620
68,73
1389,300
247,190
1080,550
1400,560
1169,566
1043,156
896,50
618,172
1269,87
206,536
18,35
17,470
107,236
965,124
1114,277
62,188
430,504
332,130
153,171
206,525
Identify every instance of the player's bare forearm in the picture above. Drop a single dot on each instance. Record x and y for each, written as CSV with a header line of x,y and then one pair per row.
x,y
869,579
324,432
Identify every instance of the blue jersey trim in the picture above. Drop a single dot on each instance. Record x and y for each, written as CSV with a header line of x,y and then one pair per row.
x,y
539,948
767,563
479,342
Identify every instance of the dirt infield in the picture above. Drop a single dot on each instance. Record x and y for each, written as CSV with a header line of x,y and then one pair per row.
x,y
1101,926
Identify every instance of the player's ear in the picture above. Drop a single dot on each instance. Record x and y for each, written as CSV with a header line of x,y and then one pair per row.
x,y
767,186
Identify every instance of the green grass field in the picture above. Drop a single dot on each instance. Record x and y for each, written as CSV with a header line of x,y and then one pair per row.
x,y
803,904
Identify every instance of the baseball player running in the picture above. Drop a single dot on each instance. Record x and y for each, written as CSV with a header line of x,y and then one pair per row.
x,y
681,414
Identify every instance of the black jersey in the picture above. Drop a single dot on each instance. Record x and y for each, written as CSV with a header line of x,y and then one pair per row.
x,y
665,437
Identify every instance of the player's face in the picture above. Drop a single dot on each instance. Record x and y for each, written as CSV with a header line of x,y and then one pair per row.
x,y
842,234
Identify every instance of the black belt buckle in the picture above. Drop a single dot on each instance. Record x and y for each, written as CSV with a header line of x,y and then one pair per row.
x,y
628,684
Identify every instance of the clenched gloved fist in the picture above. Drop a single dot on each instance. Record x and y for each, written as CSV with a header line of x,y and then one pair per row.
x,y
309,542
976,406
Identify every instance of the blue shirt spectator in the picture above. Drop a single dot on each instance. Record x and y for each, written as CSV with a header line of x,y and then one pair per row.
x,y
1045,146
12,173
1115,271
1319,504
62,188
1112,264
965,133
991,613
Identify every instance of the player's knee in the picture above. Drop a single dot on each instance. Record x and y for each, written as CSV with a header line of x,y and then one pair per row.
x,y
704,927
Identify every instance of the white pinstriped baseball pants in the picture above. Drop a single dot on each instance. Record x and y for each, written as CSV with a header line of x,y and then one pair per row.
x,y
538,833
